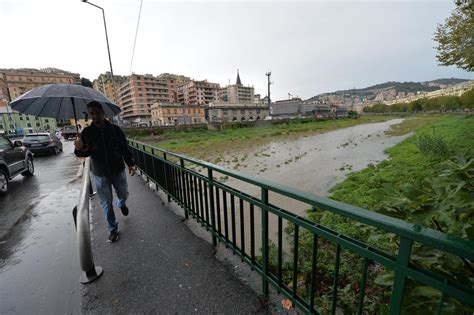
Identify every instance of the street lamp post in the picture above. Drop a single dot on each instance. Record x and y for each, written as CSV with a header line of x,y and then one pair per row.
x,y
108,48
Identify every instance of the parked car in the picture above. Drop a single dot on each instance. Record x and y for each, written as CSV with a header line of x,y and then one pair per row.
x,y
43,143
14,159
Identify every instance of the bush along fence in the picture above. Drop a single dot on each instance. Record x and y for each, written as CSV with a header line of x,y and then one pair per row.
x,y
270,239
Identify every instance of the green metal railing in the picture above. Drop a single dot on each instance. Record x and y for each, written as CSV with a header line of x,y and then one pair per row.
x,y
233,216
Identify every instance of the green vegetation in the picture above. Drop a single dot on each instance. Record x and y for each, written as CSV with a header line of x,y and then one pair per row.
x,y
199,141
441,103
454,37
407,162
428,180
412,124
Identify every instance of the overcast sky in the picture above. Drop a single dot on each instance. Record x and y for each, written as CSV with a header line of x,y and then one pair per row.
x,y
311,47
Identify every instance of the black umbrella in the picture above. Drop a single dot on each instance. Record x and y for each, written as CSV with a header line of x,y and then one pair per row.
x,y
62,101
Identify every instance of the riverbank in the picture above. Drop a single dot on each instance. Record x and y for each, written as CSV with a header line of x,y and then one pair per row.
x,y
406,161
427,179
198,143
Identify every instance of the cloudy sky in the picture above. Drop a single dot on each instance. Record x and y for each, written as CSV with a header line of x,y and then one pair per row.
x,y
310,46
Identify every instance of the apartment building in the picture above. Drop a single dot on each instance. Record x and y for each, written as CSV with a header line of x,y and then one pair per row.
x,y
12,122
15,82
195,92
165,114
104,84
238,93
139,92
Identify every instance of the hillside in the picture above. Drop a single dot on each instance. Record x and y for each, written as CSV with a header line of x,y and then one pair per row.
x,y
387,91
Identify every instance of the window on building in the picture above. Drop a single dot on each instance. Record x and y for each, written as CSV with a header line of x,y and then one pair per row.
x,y
21,117
28,124
36,118
46,120
1,126
38,124
27,117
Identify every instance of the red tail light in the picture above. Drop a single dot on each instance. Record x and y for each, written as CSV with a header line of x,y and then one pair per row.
x,y
51,141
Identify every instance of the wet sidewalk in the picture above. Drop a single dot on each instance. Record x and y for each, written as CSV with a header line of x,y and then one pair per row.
x,y
159,265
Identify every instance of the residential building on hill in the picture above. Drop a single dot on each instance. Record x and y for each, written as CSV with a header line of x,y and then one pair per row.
x,y
15,82
104,84
453,90
139,92
195,92
238,93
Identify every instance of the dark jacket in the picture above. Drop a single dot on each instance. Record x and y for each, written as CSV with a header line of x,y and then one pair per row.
x,y
107,148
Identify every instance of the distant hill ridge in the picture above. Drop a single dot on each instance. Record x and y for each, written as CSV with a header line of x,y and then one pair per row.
x,y
404,87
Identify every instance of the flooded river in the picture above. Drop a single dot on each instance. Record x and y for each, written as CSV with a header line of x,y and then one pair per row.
x,y
311,163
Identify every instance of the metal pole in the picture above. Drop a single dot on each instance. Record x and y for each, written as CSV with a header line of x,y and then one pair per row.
x,y
108,48
110,59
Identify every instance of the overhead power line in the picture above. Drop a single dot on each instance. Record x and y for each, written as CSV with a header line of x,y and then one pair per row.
x,y
136,35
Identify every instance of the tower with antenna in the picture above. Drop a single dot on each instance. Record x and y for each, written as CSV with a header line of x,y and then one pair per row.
x,y
268,74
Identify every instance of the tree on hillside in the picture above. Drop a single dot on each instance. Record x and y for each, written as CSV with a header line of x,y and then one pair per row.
x,y
467,99
456,38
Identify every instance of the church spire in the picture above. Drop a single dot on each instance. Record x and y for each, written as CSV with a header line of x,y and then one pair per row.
x,y
238,82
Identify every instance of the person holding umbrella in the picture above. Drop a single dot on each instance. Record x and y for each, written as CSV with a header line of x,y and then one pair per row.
x,y
107,147
103,142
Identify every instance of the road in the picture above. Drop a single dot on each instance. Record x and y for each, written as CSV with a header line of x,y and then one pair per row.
x,y
39,267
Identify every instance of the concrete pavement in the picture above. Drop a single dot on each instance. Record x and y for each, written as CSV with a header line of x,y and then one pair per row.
x,y
159,265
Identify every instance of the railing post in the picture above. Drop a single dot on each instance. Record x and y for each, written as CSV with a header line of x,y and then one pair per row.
x,y
264,242
398,288
91,272
153,167
181,163
145,167
166,177
211,204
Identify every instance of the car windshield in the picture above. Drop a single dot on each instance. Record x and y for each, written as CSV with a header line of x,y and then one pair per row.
x,y
4,143
36,138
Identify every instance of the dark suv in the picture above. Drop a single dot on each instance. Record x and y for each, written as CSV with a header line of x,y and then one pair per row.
x,y
43,143
14,159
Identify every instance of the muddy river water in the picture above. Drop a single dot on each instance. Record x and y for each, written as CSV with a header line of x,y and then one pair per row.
x,y
310,163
